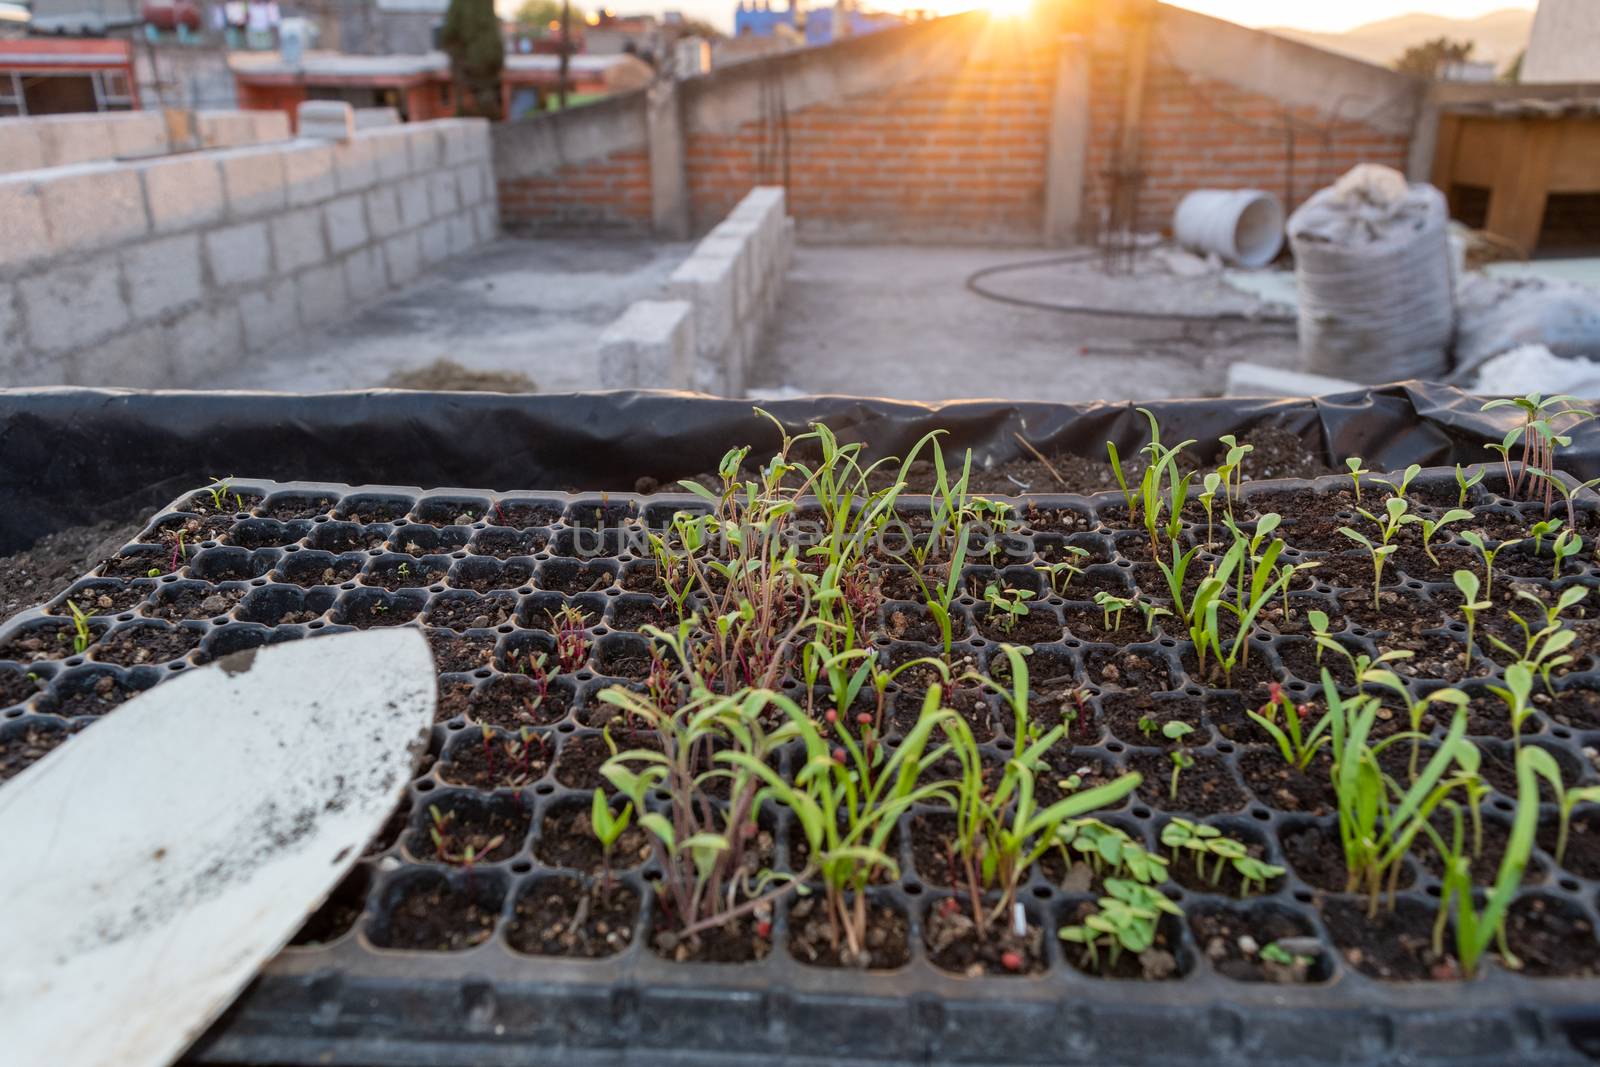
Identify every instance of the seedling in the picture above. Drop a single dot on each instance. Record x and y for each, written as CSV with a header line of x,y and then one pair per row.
x,y
1053,571
1208,499
1298,747
1545,649
462,855
1473,538
572,642
1388,526
219,494
1431,527
1110,850
1149,727
81,635
1473,928
1274,952
1112,607
1125,920
1517,694
1465,482
1181,760
1206,843
1006,604
1566,545
1540,530
1356,471
608,826
1467,583
1232,470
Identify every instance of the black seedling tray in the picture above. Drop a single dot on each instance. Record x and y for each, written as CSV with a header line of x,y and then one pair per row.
x,y
307,559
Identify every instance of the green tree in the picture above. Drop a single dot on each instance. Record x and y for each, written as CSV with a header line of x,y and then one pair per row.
x,y
1513,73
539,14
471,38
1423,59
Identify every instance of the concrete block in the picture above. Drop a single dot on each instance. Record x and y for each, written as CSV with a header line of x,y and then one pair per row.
x,y
402,258
736,250
269,126
297,240
71,306
137,133
462,235
442,192
469,186
651,346
308,173
354,167
203,342
133,358
321,295
70,139
239,254
92,205
364,275
23,234
326,120
383,211
487,222
414,209
435,238
224,129
183,191
346,223
20,146
458,143
478,140
426,143
163,274
391,153
253,180
373,118
707,282
269,313
13,338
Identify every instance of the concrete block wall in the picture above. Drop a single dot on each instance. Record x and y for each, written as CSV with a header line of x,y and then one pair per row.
x,y
723,298
164,272
43,141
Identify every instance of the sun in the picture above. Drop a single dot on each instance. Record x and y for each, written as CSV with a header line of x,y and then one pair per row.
x,y
1008,9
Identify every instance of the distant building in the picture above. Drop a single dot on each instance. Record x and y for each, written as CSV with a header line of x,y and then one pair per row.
x,y
757,18
419,87
53,76
1465,70
1565,43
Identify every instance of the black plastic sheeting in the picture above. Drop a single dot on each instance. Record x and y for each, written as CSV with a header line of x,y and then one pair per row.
x,y
72,456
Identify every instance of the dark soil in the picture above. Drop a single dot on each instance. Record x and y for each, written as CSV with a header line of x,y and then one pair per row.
x,y
1280,785
512,701
1394,945
193,602
885,946
465,611
561,916
493,832
507,762
1207,788
1233,939
952,939
739,940
94,696
1157,963
566,839
56,560
21,749
1551,938
147,644
432,915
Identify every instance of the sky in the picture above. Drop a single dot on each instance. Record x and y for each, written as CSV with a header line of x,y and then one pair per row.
x,y
1341,16
1319,15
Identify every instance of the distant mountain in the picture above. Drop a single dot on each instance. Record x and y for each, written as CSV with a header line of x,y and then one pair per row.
x,y
1499,36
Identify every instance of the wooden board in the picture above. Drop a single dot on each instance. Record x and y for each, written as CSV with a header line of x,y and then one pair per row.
x,y
152,865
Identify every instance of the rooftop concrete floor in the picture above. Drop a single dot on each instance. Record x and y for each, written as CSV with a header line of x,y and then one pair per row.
x,y
878,320
534,307
897,321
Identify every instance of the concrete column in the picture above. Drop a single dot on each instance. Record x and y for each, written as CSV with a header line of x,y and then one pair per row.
x,y
669,172
1424,140
1067,152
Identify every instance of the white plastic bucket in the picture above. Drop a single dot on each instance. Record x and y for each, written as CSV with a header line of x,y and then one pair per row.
x,y
1243,226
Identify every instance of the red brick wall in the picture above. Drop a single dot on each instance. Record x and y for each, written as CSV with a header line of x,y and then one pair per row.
x,y
1198,133
958,151
607,194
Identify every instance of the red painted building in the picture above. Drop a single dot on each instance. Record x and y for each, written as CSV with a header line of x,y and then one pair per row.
x,y
418,86
59,75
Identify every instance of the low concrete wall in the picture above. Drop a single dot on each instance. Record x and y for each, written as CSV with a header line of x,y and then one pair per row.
x,y
723,298
164,271
62,140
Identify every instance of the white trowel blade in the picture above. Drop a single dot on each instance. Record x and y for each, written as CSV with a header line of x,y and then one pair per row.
x,y
152,865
